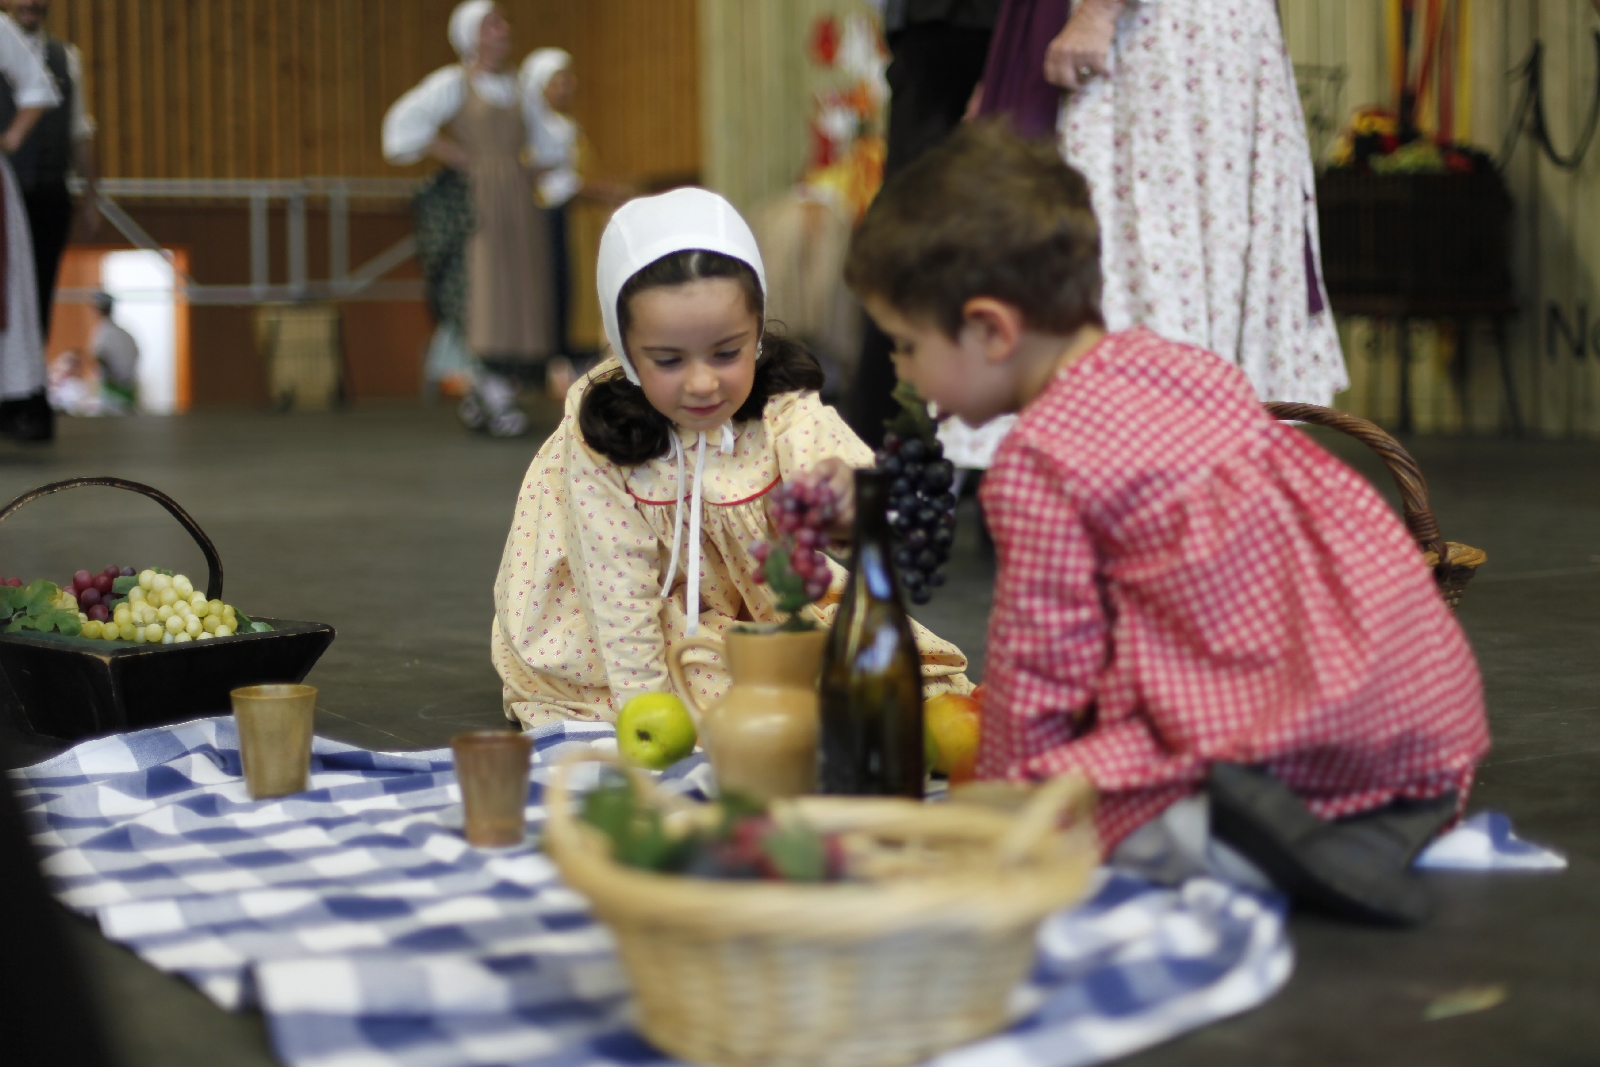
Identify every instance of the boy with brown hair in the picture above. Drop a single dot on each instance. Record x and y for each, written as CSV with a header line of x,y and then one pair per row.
x,y
1193,600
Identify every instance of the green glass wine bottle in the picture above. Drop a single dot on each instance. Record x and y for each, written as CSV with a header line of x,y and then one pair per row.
x,y
871,683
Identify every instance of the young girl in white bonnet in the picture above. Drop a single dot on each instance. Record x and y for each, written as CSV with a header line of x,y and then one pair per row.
x,y
633,527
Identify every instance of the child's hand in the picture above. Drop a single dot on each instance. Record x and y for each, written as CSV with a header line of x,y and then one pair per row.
x,y
839,476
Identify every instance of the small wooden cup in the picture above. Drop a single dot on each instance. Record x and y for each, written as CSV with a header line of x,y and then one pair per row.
x,y
492,767
275,723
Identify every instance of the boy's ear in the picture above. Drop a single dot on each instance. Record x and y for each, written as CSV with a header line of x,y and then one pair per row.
x,y
994,325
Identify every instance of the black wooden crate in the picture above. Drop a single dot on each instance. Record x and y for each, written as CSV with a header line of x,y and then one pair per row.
x,y
1415,237
73,687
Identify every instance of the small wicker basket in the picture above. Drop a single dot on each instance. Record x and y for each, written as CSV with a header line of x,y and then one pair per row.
x,y
920,958
1461,561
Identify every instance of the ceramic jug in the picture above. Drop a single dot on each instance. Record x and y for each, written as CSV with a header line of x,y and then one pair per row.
x,y
762,736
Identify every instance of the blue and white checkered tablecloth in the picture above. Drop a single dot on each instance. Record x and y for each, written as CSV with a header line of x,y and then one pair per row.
x,y
369,933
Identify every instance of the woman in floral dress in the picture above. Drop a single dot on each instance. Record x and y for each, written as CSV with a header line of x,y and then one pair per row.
x,y
1185,119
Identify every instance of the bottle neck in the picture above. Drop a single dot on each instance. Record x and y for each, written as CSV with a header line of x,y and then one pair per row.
x,y
872,507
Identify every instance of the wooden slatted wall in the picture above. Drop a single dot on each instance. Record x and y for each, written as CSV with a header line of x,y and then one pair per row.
x,y
288,88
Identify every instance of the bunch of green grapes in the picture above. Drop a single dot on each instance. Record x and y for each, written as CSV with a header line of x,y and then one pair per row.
x,y
166,609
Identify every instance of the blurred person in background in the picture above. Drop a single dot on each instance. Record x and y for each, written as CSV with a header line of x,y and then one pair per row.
x,y
117,354
549,88
60,143
937,50
27,94
469,116
1186,122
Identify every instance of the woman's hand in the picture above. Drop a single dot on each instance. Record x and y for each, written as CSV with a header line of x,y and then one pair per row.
x,y
449,153
1082,50
839,476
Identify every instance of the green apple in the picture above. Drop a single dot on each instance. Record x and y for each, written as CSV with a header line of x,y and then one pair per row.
x,y
655,731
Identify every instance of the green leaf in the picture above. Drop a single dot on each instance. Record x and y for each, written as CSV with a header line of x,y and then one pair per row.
x,y
18,625
789,587
162,570
65,622
244,620
38,595
259,627
124,585
798,852
913,419
12,599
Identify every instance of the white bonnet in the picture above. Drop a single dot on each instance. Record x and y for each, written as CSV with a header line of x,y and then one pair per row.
x,y
644,230
465,23
542,65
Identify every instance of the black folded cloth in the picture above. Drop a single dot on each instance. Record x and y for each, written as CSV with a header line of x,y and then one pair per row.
x,y
1358,867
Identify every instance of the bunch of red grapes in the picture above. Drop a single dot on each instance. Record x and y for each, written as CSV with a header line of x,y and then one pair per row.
x,y
93,591
922,510
802,512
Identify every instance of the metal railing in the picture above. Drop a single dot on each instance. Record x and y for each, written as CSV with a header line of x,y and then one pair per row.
x,y
366,282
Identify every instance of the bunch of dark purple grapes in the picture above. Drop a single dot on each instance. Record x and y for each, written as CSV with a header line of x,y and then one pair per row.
x,y
922,510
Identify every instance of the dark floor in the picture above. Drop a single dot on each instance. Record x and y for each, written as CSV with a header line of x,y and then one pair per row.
x,y
388,523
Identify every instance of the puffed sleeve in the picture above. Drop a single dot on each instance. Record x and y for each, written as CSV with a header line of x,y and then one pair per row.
x,y
616,565
417,117
31,84
805,431
83,126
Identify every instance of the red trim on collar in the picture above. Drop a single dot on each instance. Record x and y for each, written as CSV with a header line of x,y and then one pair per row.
x,y
714,503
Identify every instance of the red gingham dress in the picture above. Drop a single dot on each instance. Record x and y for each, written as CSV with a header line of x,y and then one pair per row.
x,y
1183,579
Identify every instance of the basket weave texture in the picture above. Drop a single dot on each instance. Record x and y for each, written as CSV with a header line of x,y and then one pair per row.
x,y
920,958
1461,561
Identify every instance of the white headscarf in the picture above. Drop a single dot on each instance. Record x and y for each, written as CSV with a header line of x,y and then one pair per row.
x,y
466,21
541,65
553,136
641,232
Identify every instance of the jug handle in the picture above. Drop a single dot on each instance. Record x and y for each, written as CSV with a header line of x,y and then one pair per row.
x,y
675,669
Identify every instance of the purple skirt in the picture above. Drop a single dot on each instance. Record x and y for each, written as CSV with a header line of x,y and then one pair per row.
x,y
1013,77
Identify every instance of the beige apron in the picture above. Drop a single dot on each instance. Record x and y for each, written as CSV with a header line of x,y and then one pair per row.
x,y
509,310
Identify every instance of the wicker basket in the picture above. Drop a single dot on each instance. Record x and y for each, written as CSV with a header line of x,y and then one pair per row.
x,y
861,974
1461,562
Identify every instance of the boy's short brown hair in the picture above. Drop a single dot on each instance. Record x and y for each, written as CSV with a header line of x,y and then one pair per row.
x,y
985,213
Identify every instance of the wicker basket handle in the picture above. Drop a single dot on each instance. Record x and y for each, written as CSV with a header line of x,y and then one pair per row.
x,y
207,549
1069,794
1424,526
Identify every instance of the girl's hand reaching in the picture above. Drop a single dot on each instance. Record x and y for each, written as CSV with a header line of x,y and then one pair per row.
x,y
839,476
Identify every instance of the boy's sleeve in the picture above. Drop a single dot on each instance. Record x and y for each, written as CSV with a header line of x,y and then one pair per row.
x,y
1048,629
616,562
806,431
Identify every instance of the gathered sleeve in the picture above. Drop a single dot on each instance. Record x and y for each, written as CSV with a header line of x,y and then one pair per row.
x,y
1048,632
805,431
31,84
83,126
616,565
418,116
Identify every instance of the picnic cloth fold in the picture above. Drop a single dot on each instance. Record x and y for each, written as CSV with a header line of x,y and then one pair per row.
x,y
369,932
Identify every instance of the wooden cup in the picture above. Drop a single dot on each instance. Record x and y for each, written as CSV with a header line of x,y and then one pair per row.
x,y
275,723
492,767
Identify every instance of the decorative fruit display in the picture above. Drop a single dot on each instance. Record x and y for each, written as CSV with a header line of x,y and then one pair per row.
x,y
39,606
153,606
792,563
952,725
743,840
655,731
922,509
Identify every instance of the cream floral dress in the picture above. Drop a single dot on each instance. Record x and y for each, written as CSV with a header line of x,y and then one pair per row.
x,y
580,624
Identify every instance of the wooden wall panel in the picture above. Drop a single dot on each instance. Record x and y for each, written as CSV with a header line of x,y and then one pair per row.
x,y
291,88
